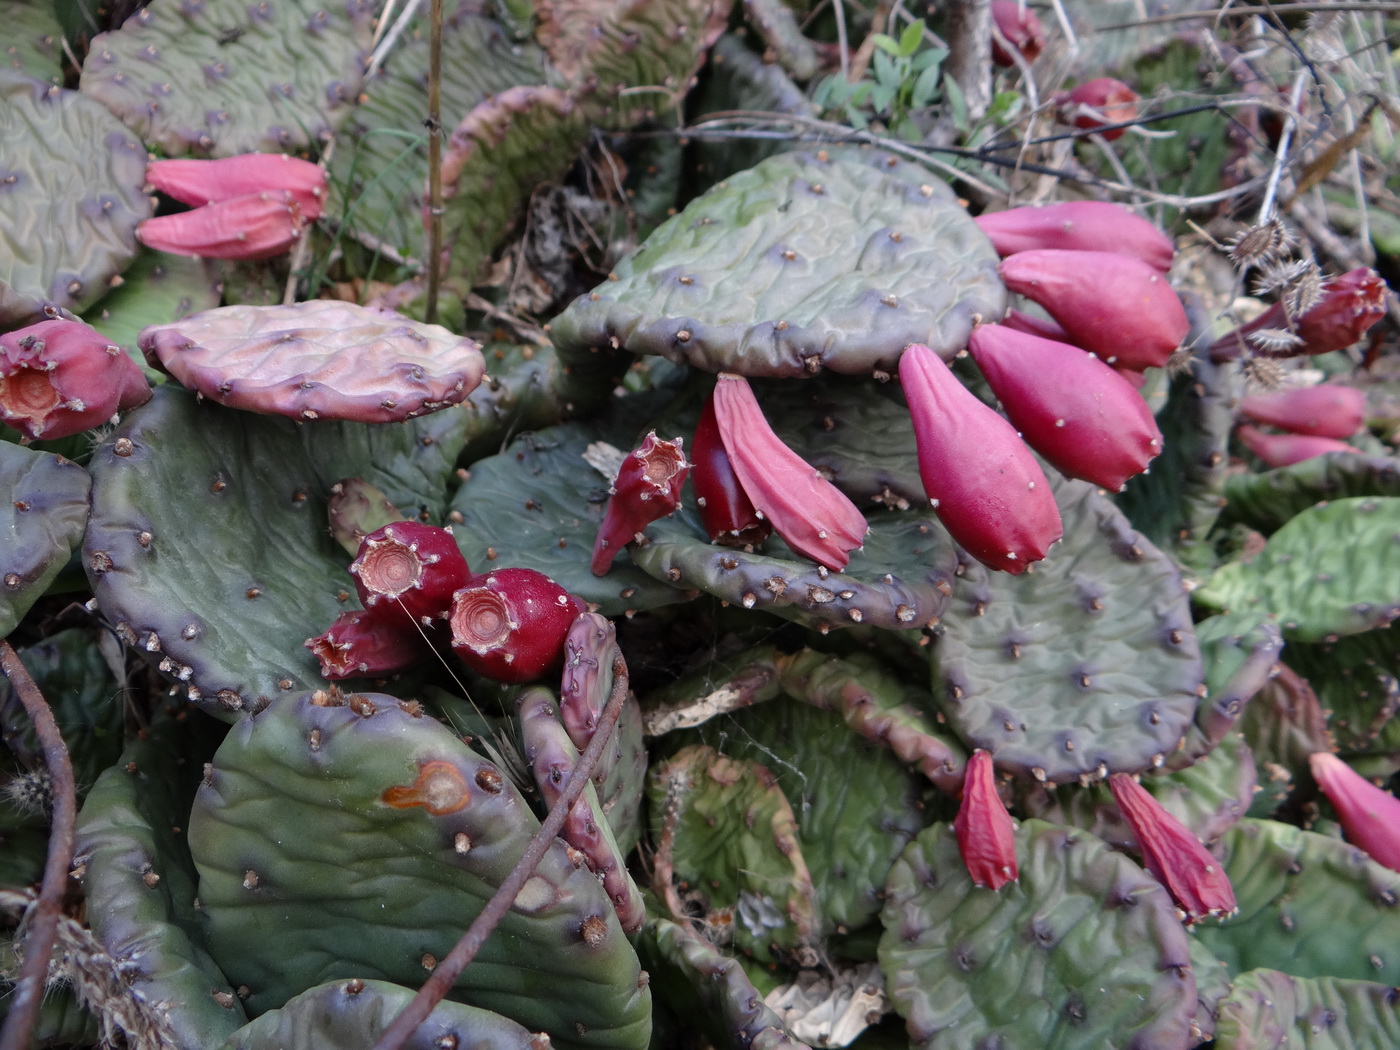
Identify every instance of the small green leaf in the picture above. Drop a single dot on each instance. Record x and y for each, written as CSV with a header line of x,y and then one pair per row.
x,y
956,102
888,44
925,88
882,96
884,70
929,59
911,38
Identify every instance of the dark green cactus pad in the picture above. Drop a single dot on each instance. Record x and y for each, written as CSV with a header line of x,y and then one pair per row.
x,y
1267,501
1309,905
351,1015
799,264
709,989
273,77
1087,666
1212,985
1285,724
777,26
42,518
61,1020
523,390
728,850
380,167
209,549
1269,1010
1240,652
1332,570
402,830
140,883
857,806
156,288
63,240
1083,952
1355,679
504,148
34,44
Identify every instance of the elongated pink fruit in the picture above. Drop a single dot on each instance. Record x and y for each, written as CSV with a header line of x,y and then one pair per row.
x,y
1349,306
809,512
1070,407
1022,29
253,226
1369,816
1283,450
1042,326
209,181
982,480
1328,410
647,487
1117,307
1099,102
986,834
1094,226
365,642
727,513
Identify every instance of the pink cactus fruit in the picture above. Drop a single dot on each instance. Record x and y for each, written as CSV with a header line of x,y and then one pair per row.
x,y
1117,307
367,643
647,487
1095,226
253,226
509,625
1100,102
985,832
409,571
1022,29
1018,321
211,181
1328,410
1347,308
1175,857
1369,815
1283,450
1070,407
810,513
727,513
983,482
60,377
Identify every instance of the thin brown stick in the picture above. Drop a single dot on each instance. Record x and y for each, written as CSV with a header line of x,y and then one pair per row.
x,y
434,125
436,987
43,923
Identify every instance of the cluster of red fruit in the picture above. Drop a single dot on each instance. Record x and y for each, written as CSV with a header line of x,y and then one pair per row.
x,y
1315,420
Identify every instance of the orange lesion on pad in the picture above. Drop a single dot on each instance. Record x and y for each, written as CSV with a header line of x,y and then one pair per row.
x,y
439,789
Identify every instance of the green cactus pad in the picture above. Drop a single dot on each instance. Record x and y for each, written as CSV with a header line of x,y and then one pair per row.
x,y
1087,666
1240,652
208,545
1267,501
351,1015
313,814
380,165
1083,952
140,884
272,77
1284,725
1332,570
777,25
1355,679
1310,905
42,515
727,847
1269,1010
1212,985
522,391
34,44
156,288
63,240
799,264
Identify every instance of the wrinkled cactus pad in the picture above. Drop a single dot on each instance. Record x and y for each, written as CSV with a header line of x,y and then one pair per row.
x,y
156,288
1267,501
405,832
1269,1009
807,261
62,241
321,359
42,517
1083,951
272,77
1355,679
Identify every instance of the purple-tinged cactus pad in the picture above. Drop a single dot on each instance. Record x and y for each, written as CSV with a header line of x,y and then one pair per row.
x,y
1269,1010
321,359
43,513
63,239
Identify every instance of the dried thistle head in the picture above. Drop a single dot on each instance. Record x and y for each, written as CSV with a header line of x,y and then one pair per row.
x,y
1274,340
31,792
1260,244
1183,360
1262,373
1278,275
1304,293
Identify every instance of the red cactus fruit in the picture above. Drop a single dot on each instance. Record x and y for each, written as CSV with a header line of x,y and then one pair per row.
x,y
647,487
253,226
1099,102
1283,450
509,625
1175,857
1117,307
1018,321
1328,410
1070,407
1022,29
986,834
59,378
728,515
982,480
409,571
809,512
365,642
1094,226
209,181
1348,307
1369,815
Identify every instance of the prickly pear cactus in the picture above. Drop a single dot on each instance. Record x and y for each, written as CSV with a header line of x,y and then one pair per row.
x,y
807,261
156,288
42,518
412,838
1355,679
35,40
1266,1008
1269,500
